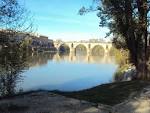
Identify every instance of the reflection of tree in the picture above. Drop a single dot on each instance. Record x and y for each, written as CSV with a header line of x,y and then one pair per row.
x,y
64,56
97,59
39,58
12,64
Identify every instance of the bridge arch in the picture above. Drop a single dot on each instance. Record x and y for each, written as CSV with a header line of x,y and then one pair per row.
x,y
80,49
64,48
88,47
98,50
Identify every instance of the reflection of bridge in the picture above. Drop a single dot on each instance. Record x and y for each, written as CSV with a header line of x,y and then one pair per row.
x,y
38,59
87,58
89,46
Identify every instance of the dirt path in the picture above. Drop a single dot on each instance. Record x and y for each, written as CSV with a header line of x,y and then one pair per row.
x,y
45,102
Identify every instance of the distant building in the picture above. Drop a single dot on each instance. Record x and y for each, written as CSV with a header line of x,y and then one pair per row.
x,y
43,37
50,43
11,37
42,42
5,36
19,37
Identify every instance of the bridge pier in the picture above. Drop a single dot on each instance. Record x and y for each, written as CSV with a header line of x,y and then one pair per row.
x,y
71,54
88,59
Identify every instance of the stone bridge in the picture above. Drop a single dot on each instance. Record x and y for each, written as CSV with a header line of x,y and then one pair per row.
x,y
89,46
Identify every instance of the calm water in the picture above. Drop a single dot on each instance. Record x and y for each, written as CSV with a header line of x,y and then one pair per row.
x,y
66,72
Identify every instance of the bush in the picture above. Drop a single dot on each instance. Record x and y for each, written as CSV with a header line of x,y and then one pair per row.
x,y
119,74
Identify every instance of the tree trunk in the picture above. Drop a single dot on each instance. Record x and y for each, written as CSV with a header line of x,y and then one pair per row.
x,y
142,69
142,50
142,65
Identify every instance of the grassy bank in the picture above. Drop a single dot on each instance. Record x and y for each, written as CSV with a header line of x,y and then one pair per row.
x,y
109,94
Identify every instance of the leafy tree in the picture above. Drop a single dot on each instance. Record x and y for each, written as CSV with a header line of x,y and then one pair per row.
x,y
14,21
129,20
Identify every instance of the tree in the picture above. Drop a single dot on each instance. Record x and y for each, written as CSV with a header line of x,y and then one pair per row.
x,y
14,19
12,64
130,20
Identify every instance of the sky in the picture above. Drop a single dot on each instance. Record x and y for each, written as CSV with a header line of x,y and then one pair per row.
x,y
59,19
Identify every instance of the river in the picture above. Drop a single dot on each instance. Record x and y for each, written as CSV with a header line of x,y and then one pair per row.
x,y
67,72
23,71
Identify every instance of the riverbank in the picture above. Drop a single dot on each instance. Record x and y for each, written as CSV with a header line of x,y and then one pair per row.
x,y
123,97
47,102
110,94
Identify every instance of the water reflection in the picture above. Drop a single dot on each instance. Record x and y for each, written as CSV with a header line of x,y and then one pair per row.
x,y
62,71
39,59
68,71
84,58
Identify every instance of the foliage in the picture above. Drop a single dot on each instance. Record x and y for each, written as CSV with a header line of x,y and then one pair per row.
x,y
119,42
129,20
120,72
14,20
122,57
12,64
25,43
14,17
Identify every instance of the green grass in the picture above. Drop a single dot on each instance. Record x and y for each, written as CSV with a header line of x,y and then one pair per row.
x,y
109,94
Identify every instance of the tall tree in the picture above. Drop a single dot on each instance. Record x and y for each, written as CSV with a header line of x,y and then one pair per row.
x,y
130,20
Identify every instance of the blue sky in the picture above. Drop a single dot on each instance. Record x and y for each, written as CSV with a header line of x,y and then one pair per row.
x,y
59,19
